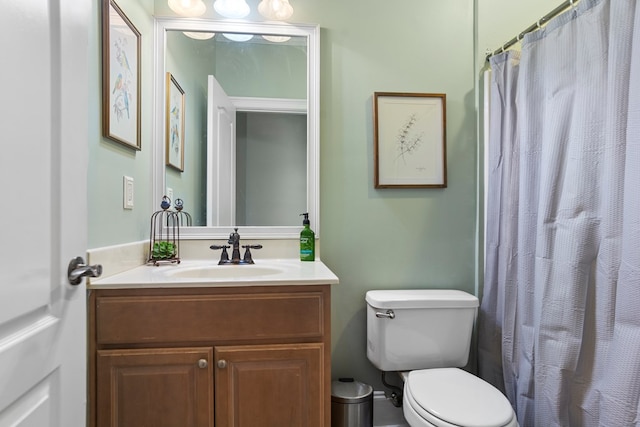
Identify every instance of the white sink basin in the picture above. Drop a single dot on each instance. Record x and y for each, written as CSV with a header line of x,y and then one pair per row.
x,y
223,272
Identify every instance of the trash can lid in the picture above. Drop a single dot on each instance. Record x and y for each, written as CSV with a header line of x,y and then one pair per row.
x,y
347,390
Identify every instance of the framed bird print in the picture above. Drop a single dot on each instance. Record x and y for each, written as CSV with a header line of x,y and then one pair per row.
x,y
174,122
120,77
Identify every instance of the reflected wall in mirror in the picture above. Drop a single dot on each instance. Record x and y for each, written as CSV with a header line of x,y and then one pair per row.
x,y
251,118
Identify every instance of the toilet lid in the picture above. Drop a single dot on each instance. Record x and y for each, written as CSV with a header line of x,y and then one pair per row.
x,y
457,397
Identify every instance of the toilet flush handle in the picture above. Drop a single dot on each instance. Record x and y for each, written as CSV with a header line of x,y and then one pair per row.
x,y
388,315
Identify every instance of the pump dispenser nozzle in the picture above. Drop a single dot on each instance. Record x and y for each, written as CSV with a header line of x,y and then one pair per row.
x,y
305,221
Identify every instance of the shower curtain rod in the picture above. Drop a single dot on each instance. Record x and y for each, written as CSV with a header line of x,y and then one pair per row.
x,y
535,26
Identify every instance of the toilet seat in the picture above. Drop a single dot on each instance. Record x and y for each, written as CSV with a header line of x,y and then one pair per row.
x,y
446,397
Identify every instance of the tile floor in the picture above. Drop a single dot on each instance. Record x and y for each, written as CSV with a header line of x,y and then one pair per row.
x,y
385,414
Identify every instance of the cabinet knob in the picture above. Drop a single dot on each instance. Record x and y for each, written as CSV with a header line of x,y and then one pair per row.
x,y
222,363
202,363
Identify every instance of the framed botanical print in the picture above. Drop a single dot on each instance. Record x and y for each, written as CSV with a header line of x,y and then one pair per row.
x,y
410,140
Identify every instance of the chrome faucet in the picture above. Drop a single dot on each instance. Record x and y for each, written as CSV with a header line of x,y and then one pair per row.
x,y
234,241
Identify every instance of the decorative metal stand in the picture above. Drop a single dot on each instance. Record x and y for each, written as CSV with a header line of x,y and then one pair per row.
x,y
164,242
184,219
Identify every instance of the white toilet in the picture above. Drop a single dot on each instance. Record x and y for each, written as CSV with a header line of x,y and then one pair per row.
x,y
426,335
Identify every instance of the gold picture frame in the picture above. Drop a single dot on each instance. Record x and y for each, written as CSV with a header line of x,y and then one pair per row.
x,y
174,124
120,77
410,140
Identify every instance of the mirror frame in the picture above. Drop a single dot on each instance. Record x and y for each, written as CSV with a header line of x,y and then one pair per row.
x,y
312,34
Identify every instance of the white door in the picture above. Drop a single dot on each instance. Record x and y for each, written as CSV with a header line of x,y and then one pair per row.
x,y
221,157
43,166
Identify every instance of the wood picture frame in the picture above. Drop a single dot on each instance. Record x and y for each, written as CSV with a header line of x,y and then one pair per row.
x,y
121,76
174,124
409,140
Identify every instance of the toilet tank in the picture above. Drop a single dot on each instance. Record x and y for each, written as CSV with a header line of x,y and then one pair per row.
x,y
419,329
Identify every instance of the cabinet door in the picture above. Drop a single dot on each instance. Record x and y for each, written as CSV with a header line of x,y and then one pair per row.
x,y
270,385
161,387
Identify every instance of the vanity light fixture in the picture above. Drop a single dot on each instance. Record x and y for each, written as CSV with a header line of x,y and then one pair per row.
x,y
276,10
276,39
238,37
188,8
199,35
234,9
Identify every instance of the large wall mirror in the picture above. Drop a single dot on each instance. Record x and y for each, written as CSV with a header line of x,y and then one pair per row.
x,y
236,125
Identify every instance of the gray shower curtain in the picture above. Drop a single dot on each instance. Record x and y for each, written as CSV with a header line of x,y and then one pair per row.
x,y
559,323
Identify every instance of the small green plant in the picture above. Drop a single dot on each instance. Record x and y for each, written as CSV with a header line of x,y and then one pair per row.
x,y
163,250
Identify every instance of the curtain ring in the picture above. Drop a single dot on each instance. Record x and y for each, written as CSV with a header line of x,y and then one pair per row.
x,y
539,23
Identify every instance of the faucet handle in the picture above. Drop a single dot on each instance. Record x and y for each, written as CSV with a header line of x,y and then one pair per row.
x,y
247,259
224,256
214,247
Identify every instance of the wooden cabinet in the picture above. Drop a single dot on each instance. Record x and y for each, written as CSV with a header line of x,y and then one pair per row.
x,y
204,357
269,385
155,387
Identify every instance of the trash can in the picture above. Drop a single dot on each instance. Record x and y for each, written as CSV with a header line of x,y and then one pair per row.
x,y
351,403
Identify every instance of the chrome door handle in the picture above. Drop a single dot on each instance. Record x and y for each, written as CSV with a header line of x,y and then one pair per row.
x,y
78,269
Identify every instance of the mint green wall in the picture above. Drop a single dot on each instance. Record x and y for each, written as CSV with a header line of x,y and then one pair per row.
x,y
109,161
372,239
391,238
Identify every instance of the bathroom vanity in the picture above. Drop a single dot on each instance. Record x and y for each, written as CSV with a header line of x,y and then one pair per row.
x,y
196,344
201,345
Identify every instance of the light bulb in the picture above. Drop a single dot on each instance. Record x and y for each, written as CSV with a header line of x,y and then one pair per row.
x,y
277,10
234,9
188,8
276,39
198,35
238,37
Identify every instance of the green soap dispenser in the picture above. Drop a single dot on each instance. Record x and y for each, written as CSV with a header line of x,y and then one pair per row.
x,y
307,240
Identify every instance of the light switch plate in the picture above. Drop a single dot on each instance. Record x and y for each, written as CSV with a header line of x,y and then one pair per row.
x,y
170,193
127,192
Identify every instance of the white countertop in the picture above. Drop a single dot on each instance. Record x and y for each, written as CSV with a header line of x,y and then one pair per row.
x,y
206,273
